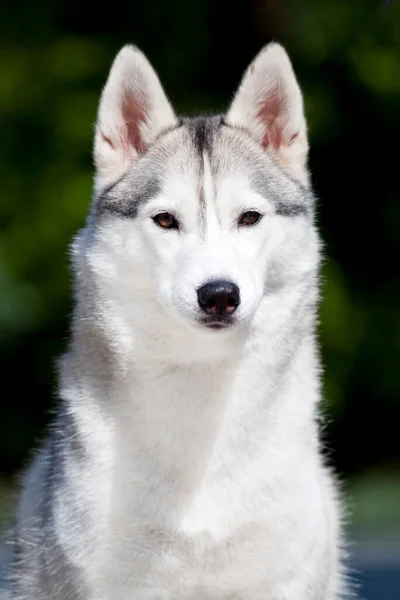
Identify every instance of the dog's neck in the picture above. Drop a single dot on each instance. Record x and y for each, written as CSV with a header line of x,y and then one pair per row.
x,y
175,425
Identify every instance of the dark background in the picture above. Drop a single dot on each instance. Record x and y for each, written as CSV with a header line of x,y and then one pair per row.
x,y
54,58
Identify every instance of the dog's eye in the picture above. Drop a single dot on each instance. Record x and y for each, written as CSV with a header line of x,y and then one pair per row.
x,y
166,221
251,217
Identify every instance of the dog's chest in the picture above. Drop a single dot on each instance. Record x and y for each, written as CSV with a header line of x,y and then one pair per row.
x,y
225,530
209,556
196,567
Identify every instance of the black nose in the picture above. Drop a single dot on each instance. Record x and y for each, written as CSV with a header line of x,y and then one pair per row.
x,y
219,298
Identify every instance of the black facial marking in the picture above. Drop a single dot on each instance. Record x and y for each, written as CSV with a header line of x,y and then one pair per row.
x,y
289,197
203,130
202,136
290,210
126,196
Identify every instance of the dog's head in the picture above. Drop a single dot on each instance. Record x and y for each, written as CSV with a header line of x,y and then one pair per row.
x,y
196,220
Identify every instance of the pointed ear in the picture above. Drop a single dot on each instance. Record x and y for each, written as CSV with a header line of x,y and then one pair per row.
x,y
269,105
133,110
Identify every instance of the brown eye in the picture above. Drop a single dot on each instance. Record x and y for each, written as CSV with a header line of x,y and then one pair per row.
x,y
166,221
251,217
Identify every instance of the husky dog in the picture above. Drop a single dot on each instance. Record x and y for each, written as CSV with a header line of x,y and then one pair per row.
x,y
185,462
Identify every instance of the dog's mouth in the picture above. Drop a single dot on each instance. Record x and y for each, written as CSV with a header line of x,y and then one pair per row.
x,y
217,323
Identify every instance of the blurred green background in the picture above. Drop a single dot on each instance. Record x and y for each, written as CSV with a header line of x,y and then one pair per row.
x,y
54,58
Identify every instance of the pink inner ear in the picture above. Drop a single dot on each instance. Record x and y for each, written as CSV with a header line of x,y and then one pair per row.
x,y
134,115
273,114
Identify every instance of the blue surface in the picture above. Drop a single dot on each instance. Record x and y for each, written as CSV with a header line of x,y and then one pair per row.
x,y
379,583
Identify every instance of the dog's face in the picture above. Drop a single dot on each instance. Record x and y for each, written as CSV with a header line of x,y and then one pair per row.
x,y
198,219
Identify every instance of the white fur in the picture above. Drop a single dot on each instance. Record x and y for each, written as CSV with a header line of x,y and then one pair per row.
x,y
202,476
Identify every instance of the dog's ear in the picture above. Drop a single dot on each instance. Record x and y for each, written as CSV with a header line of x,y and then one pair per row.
x,y
133,110
269,105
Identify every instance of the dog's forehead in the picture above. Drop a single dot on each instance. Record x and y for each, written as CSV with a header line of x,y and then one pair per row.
x,y
182,153
228,150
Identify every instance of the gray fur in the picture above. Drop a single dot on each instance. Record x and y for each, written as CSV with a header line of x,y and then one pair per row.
x,y
126,196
